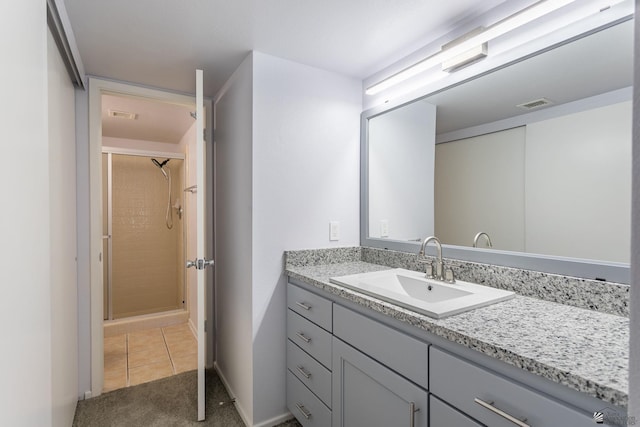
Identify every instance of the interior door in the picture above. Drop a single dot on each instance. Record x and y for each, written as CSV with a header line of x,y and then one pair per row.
x,y
201,261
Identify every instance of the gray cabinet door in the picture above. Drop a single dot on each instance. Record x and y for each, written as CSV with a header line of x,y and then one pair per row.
x,y
443,415
367,394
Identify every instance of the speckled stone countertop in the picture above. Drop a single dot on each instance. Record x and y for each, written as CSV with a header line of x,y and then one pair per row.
x,y
583,349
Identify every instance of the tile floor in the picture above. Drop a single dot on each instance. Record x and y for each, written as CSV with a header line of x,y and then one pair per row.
x,y
142,356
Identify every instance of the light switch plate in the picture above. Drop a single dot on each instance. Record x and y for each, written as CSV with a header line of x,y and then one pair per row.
x,y
334,230
384,228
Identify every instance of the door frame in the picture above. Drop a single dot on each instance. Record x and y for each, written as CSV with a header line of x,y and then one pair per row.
x,y
98,87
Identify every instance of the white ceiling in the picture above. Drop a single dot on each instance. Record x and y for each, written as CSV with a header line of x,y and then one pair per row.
x,y
155,121
161,42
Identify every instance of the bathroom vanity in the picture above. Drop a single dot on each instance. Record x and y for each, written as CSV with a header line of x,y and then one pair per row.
x,y
354,360
441,161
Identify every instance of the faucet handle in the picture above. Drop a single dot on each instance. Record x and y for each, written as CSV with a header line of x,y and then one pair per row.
x,y
429,270
449,277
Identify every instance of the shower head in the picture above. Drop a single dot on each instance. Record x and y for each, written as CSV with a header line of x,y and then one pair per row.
x,y
161,166
158,164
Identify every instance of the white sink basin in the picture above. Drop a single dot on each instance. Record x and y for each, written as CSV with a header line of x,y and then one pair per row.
x,y
410,289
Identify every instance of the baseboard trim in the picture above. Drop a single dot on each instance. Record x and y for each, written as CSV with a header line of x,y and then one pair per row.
x,y
193,329
276,420
146,321
243,415
225,383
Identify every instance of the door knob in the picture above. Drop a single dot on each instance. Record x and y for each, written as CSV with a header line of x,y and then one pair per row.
x,y
200,263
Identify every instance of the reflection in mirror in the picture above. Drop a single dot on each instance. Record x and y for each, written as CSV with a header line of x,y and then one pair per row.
x,y
401,155
551,178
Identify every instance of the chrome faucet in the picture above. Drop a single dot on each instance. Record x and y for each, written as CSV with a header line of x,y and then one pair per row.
x,y
480,234
445,275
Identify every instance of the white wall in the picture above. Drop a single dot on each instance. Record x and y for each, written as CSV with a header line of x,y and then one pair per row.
x,y
25,306
233,209
634,362
305,174
64,289
578,187
480,187
287,163
401,161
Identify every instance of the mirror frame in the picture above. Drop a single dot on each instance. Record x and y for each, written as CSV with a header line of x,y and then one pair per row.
x,y
576,267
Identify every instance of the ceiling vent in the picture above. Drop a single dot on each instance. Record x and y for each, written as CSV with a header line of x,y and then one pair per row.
x,y
536,103
122,115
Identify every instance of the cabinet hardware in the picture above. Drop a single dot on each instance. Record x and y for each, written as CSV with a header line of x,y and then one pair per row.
x,y
303,338
303,410
304,373
413,409
492,408
303,305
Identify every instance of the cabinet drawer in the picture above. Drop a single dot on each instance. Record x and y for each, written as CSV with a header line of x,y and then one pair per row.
x,y
398,351
310,306
305,406
443,415
459,383
311,373
309,337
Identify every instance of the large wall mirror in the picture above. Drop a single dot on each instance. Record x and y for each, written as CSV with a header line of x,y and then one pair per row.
x,y
536,154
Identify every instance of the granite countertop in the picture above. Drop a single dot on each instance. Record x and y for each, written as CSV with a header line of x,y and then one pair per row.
x,y
582,349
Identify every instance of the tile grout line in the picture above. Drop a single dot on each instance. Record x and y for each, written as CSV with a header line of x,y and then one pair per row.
x,y
166,346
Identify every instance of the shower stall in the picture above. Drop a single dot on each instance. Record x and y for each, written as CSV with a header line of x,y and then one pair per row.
x,y
143,234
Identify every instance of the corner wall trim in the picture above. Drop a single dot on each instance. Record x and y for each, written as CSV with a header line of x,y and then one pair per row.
x,y
60,26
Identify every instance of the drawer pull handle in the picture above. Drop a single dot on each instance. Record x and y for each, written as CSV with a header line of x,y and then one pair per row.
x,y
489,406
303,410
303,305
304,373
303,338
413,409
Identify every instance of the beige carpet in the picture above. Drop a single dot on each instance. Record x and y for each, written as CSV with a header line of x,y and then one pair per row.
x,y
167,402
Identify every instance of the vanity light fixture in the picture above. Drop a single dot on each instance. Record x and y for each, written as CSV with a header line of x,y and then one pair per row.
x,y
504,26
469,57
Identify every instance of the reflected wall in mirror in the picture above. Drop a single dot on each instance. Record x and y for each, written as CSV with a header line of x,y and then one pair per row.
x,y
553,179
401,157
559,187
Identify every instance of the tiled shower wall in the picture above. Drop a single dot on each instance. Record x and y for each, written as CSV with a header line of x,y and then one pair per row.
x,y
148,258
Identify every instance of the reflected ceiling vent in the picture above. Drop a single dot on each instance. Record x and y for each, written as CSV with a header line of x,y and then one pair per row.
x,y
536,103
122,114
